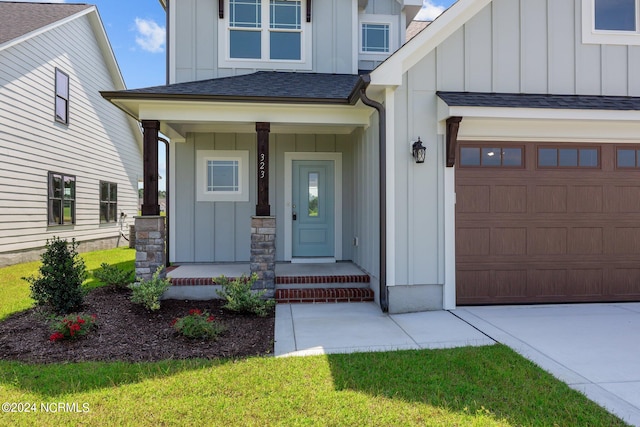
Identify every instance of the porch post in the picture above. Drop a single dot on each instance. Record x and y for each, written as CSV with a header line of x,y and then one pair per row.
x,y
263,226
263,208
150,204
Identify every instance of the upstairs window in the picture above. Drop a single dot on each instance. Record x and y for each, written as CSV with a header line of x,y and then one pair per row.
x,y
375,38
611,22
62,97
267,30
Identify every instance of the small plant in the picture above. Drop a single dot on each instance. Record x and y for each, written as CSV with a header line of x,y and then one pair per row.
x,y
198,324
62,272
148,292
72,327
113,276
241,298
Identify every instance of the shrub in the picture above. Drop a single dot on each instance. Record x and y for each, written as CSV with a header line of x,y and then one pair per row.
x,y
241,298
148,292
112,275
72,327
62,272
198,324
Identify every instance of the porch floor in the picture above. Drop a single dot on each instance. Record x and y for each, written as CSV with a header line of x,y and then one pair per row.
x,y
283,269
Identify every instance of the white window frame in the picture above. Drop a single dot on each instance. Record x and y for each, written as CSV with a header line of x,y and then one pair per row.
x,y
224,56
389,20
202,159
592,36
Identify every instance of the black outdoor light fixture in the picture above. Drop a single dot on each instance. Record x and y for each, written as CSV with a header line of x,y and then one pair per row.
x,y
418,150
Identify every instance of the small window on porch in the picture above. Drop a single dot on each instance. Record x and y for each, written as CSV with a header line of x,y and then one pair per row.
x,y
222,176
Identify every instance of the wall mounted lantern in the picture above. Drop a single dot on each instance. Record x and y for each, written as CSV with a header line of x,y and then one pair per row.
x,y
418,151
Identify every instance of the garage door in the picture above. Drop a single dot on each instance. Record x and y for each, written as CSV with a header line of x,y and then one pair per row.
x,y
547,223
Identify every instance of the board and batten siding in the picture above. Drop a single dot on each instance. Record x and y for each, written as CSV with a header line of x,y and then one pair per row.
x,y
521,46
194,46
221,231
98,144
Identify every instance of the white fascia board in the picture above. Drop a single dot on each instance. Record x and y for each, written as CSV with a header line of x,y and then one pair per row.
x,y
46,28
390,72
536,113
225,112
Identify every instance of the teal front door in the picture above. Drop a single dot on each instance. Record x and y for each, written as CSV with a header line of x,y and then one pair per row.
x,y
313,208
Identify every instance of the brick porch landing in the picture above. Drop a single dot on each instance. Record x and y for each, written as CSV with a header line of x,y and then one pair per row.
x,y
308,283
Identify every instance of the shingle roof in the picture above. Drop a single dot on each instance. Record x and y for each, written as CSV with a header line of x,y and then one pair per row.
x,y
525,100
414,28
18,19
259,86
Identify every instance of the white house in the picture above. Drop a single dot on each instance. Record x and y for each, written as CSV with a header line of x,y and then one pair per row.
x,y
70,160
529,111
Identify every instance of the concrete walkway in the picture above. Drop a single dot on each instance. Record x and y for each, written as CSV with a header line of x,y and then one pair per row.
x,y
595,348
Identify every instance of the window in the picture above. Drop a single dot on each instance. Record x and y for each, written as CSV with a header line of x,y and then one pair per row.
x,y
611,22
627,158
551,157
222,176
62,199
62,97
375,38
491,157
108,202
267,30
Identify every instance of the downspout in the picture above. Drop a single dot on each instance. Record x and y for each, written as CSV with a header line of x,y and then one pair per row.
x,y
166,206
382,161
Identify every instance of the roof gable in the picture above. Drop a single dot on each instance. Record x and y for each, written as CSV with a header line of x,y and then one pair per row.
x,y
18,19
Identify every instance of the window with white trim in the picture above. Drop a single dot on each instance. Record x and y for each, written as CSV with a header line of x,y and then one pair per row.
x,y
375,38
62,199
611,22
258,31
222,176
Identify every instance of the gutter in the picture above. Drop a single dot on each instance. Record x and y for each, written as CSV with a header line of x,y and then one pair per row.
x,y
382,160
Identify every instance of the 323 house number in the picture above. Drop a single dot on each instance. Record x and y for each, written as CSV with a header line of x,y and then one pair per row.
x,y
262,166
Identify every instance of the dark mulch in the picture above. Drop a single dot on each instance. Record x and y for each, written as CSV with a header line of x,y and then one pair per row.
x,y
127,332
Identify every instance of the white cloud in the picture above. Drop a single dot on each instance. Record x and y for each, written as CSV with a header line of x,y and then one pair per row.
x,y
151,36
429,11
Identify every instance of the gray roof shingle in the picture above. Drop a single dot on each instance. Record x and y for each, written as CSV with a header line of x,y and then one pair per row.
x,y
258,86
18,19
526,100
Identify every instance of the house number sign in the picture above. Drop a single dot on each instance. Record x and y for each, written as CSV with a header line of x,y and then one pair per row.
x,y
263,208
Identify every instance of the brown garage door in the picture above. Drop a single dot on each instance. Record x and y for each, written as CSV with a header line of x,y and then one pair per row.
x,y
541,222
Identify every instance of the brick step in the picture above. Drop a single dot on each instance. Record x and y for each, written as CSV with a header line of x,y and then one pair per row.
x,y
351,278
362,285
323,295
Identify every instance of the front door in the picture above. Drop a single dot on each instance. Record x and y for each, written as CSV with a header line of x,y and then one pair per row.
x,y
313,208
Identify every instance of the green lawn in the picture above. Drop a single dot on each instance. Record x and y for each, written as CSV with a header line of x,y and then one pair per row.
x,y
476,386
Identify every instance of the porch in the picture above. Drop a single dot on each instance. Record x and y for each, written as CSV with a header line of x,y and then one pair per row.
x,y
295,282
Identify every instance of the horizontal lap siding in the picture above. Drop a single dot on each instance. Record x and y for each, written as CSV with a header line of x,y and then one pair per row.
x,y
98,144
547,235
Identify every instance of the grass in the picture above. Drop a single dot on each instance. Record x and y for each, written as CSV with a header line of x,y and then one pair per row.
x,y
15,291
472,386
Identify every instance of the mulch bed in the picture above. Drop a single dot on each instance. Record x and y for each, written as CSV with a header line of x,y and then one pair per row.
x,y
127,332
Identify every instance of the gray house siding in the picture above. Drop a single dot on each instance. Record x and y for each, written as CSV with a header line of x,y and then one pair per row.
x,y
98,144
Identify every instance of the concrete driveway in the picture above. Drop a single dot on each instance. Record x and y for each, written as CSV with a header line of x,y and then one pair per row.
x,y
595,348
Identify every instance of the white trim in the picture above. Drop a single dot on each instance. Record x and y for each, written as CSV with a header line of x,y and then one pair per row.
x,y
241,156
322,260
449,291
390,184
306,43
172,204
354,37
592,36
172,43
289,157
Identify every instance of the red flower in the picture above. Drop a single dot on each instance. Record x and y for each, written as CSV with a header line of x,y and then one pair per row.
x,y
195,311
80,320
173,322
93,316
210,319
56,336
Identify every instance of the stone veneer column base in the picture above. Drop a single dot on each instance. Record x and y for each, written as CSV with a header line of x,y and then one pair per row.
x,y
150,245
263,253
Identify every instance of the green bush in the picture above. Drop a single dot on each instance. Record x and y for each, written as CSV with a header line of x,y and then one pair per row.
x,y
62,272
198,324
112,275
148,292
241,298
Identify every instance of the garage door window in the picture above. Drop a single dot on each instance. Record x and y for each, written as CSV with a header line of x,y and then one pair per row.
x,y
491,157
627,158
551,157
